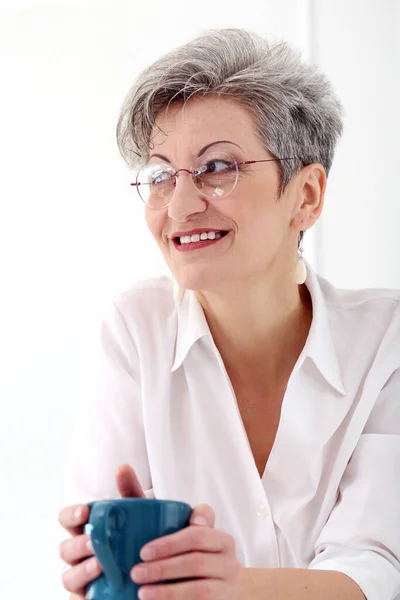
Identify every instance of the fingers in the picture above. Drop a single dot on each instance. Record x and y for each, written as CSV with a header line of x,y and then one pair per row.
x,y
128,484
202,514
72,518
192,564
76,579
189,539
198,588
77,551
73,550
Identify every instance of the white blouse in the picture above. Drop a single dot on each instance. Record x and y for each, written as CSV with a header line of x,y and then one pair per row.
x,y
159,398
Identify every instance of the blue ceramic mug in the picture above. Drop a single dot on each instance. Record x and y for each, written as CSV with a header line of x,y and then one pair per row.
x,y
118,529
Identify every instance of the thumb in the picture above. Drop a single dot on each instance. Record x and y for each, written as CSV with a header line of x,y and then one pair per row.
x,y
202,514
127,483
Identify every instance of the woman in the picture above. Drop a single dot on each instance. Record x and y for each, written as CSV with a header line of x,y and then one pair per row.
x,y
258,392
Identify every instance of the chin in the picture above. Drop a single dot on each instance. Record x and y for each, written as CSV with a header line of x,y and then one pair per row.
x,y
195,278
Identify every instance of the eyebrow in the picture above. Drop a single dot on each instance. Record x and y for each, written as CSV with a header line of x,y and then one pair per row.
x,y
201,151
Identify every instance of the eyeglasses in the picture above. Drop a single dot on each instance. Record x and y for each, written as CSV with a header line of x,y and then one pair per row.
x,y
214,174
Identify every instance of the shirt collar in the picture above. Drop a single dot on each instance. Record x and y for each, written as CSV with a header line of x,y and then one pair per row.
x,y
192,325
320,346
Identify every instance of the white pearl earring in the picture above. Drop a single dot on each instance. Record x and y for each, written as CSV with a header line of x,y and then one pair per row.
x,y
301,269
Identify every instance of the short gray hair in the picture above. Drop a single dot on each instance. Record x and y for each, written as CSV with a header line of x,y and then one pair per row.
x,y
295,109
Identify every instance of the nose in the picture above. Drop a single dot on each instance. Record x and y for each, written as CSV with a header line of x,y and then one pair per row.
x,y
185,200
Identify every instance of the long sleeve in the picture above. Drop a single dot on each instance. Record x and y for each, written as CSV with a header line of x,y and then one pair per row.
x,y
362,535
110,430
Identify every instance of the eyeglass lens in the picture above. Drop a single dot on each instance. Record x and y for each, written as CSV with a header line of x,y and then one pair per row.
x,y
214,175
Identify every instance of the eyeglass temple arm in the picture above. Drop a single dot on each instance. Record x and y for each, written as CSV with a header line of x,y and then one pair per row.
x,y
251,162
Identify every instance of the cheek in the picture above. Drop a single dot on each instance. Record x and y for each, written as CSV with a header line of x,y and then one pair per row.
x,y
260,227
154,222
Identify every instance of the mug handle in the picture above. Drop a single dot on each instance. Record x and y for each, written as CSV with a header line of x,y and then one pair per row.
x,y
100,536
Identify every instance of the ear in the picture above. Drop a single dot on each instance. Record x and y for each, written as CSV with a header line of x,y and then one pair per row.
x,y
311,185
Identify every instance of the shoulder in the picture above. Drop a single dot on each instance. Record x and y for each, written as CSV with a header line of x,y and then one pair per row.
x,y
384,303
152,293
144,309
364,322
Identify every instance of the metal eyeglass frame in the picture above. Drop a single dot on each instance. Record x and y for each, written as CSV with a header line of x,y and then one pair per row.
x,y
237,164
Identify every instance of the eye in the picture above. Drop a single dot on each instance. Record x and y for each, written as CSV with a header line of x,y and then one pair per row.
x,y
159,177
217,166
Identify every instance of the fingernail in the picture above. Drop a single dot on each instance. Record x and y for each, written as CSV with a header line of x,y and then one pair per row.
x,y
140,573
146,593
147,554
199,520
78,514
91,566
89,546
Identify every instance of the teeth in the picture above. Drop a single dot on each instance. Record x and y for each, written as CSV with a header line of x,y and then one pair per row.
x,y
211,235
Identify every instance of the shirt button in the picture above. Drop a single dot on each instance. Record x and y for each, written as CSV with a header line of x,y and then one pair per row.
x,y
262,511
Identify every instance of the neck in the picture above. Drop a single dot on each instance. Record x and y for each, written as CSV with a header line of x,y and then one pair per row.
x,y
263,324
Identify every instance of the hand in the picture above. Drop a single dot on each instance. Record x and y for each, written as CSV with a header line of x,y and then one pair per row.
x,y
77,551
197,551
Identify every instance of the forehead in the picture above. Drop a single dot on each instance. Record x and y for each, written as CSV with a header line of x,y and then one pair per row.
x,y
199,121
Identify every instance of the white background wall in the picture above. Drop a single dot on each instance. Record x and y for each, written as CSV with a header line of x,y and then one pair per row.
x,y
72,233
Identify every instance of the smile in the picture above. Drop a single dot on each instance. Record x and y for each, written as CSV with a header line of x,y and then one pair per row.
x,y
192,246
